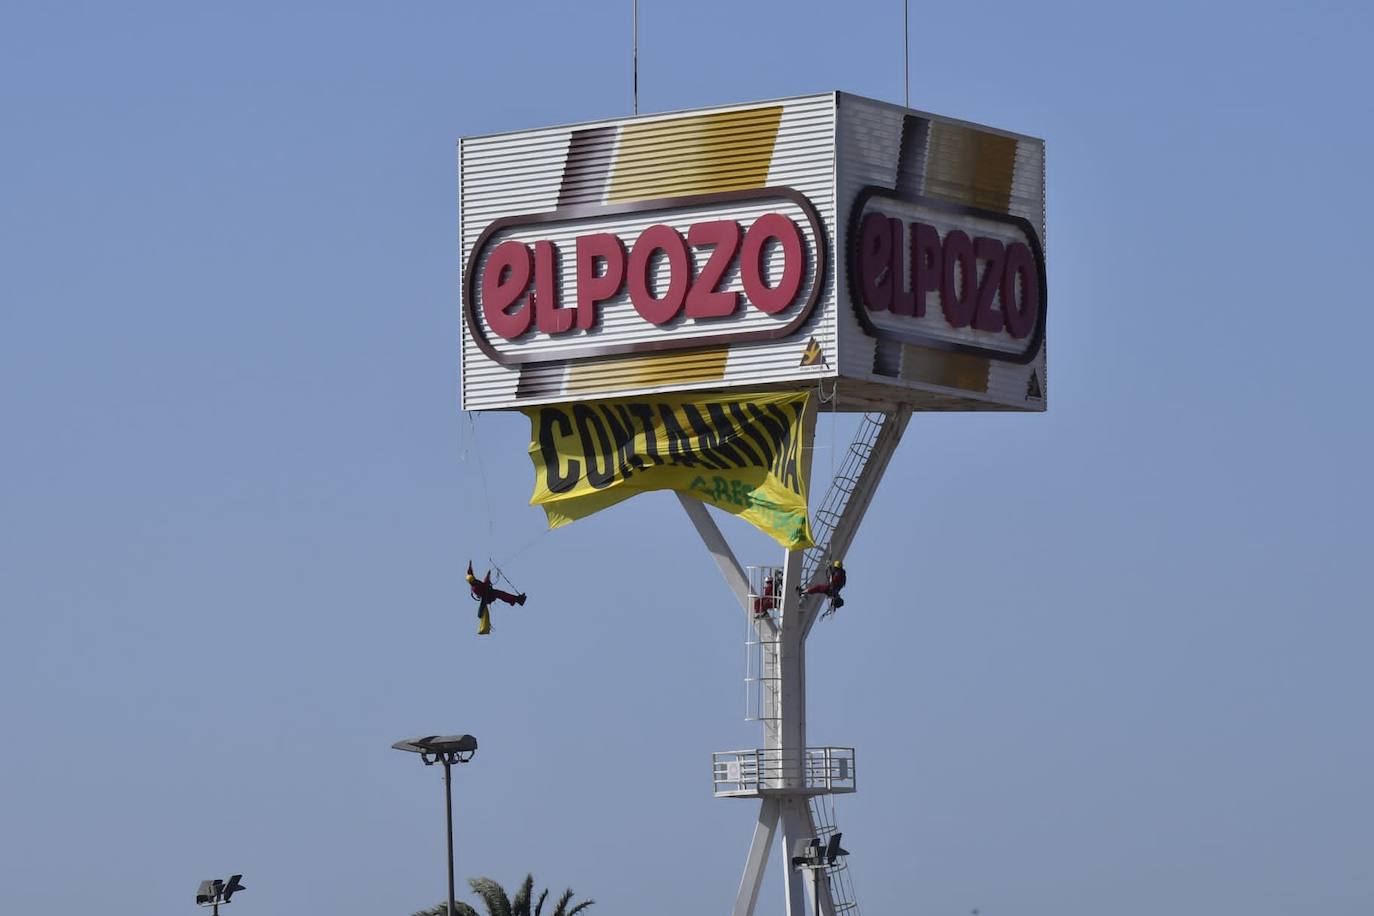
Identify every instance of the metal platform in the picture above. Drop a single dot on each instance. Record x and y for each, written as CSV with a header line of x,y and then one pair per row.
x,y
756,772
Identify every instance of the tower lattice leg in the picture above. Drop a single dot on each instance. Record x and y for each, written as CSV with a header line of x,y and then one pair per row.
x,y
764,832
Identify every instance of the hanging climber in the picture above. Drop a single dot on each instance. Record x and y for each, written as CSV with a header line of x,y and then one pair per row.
x,y
829,588
484,593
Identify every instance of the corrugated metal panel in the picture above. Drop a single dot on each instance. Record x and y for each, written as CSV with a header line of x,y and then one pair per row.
x,y
794,143
789,143
915,153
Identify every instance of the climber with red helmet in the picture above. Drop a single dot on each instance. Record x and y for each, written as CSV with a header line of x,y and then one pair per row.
x,y
484,593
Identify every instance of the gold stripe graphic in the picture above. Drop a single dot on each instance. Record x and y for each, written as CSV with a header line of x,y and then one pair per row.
x,y
647,370
943,368
970,166
725,151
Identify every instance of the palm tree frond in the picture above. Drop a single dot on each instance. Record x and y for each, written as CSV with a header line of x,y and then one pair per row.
x,y
520,905
493,895
440,909
498,904
562,908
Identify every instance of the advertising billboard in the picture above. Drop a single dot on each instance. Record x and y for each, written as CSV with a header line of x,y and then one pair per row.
x,y
763,246
942,225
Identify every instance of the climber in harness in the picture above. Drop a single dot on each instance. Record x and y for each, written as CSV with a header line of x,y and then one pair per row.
x,y
484,593
829,588
772,590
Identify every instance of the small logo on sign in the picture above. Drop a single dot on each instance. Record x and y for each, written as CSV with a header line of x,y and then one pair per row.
x,y
1033,390
812,355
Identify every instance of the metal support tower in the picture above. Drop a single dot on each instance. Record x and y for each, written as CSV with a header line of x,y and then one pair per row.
x,y
790,779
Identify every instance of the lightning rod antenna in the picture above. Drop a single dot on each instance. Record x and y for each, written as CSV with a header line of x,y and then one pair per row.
x,y
634,55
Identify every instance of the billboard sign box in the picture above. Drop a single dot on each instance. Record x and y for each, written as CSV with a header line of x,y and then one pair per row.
x,y
781,244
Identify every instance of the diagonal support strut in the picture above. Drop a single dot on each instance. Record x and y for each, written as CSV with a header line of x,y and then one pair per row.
x,y
859,500
757,861
720,550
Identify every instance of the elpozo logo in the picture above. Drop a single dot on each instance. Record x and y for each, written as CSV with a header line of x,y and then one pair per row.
x,y
940,274
672,273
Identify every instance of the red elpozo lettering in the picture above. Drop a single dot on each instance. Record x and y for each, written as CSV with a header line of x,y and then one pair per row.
x,y
904,268
519,282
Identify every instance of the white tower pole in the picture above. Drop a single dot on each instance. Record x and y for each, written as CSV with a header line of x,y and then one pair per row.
x,y
787,743
781,773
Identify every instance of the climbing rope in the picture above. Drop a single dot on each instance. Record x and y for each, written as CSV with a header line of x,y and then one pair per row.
x,y
482,474
496,567
833,400
495,576
502,577
820,391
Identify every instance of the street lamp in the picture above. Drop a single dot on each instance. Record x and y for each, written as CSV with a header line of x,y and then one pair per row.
x,y
214,892
811,855
448,750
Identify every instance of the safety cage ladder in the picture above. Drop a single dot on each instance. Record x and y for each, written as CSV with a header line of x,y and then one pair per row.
x,y
761,676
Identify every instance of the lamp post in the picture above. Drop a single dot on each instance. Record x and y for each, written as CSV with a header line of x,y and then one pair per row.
x,y
448,750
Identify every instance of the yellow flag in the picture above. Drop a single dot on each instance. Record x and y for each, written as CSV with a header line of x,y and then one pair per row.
x,y
739,452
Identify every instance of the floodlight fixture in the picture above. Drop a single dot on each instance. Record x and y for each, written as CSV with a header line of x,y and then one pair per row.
x,y
435,748
448,750
833,850
215,891
230,886
810,855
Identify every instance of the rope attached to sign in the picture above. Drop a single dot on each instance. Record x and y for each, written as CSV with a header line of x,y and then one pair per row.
x,y
482,474
833,401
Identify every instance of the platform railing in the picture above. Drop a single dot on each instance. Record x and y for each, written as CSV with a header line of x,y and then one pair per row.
x,y
755,771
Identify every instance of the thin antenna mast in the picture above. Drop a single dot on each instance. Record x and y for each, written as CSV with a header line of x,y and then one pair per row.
x,y
634,57
906,52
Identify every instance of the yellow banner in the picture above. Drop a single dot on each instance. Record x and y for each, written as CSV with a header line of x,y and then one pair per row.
x,y
739,452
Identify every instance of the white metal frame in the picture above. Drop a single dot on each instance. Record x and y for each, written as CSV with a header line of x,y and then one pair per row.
x,y
786,788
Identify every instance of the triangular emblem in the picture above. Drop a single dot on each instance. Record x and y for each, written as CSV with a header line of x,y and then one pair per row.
x,y
812,355
1033,391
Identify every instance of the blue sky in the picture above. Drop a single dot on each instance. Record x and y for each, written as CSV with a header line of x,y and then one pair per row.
x,y
238,494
